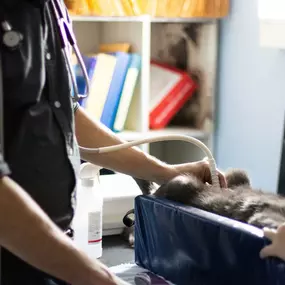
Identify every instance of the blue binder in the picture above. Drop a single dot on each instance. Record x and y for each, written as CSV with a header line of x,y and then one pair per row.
x,y
90,63
113,98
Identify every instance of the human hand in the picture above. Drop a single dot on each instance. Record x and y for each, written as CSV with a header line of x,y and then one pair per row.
x,y
99,274
277,247
108,278
201,170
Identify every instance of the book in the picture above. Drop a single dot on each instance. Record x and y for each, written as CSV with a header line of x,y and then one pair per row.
x,y
142,7
118,7
90,63
127,92
100,84
127,6
174,101
162,79
106,7
115,90
161,8
110,7
94,8
114,47
170,90
174,7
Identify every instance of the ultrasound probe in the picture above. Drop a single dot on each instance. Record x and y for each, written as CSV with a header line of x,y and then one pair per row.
x,y
160,138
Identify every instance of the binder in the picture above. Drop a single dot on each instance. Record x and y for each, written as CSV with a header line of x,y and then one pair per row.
x,y
100,84
127,92
114,93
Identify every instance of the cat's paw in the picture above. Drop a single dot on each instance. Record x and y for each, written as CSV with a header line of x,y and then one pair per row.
x,y
266,220
132,240
129,236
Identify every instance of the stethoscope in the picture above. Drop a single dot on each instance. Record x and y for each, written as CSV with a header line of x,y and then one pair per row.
x,y
12,40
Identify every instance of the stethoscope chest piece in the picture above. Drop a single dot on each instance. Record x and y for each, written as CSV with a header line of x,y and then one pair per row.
x,y
11,38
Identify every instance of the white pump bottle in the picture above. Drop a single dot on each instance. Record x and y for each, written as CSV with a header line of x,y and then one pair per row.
x,y
87,222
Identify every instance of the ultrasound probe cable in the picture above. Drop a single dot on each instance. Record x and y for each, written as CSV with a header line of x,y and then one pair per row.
x,y
160,138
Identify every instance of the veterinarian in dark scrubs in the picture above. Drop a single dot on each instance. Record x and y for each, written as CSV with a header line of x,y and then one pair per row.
x,y
41,129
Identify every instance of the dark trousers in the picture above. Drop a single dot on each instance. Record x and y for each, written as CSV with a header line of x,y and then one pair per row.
x,y
14,271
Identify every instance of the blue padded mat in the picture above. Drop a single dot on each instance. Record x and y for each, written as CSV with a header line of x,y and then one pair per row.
x,y
189,246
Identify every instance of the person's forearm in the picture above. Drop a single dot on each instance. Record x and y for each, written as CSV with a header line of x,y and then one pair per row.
x,y
28,233
130,161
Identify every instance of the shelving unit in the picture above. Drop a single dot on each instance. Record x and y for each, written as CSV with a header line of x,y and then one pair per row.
x,y
145,34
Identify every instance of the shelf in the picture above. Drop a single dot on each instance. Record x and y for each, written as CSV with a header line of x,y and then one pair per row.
x,y
132,135
155,41
140,19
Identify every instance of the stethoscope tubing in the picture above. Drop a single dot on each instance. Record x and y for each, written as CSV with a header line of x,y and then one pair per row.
x,y
67,38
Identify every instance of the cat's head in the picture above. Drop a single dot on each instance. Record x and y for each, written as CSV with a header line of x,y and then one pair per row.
x,y
237,177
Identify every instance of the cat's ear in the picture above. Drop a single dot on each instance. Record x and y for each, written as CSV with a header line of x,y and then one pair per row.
x,y
237,177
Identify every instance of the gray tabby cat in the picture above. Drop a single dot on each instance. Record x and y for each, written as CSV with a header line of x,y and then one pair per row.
x,y
239,201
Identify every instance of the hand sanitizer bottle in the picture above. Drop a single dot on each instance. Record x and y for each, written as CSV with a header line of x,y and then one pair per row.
x,y
87,222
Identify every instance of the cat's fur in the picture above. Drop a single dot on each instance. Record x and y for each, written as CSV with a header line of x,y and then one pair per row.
x,y
239,201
